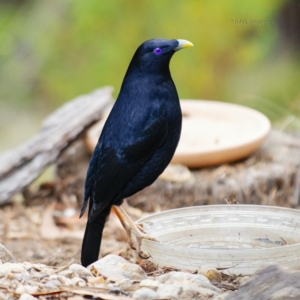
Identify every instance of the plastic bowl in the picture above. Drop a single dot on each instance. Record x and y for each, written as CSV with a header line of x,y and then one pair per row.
x,y
238,239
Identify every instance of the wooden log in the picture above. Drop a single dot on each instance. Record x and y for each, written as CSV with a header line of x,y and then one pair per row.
x,y
19,167
270,176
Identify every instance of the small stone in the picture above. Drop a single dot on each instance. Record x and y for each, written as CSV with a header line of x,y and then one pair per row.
x,y
10,276
62,279
30,289
3,296
67,273
115,266
169,291
214,276
75,298
27,296
211,273
186,279
149,283
11,268
125,284
5,255
242,280
223,296
18,276
78,282
96,280
112,275
25,276
145,293
80,270
190,292
52,284
114,289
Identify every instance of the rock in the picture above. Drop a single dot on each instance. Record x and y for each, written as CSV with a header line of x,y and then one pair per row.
x,y
96,280
52,284
27,296
149,283
67,273
21,276
26,288
187,280
80,270
5,255
115,275
62,279
242,280
18,276
78,282
115,289
272,282
11,268
169,291
10,276
112,275
145,293
125,284
223,296
198,293
211,273
115,266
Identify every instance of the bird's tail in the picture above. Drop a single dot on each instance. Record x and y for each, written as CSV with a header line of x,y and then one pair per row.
x,y
92,238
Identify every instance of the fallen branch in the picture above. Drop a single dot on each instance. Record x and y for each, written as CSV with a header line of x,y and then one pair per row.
x,y
21,166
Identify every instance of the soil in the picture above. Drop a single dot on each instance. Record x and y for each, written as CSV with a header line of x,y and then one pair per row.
x,y
51,233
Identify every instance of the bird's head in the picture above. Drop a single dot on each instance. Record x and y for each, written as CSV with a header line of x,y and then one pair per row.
x,y
154,55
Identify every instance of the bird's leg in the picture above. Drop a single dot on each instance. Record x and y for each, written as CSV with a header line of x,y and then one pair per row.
x,y
130,228
125,225
130,222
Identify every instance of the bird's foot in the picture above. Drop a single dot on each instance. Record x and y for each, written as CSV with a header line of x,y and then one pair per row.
x,y
136,245
135,232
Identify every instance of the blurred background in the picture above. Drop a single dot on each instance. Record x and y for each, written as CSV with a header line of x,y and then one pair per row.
x,y
245,52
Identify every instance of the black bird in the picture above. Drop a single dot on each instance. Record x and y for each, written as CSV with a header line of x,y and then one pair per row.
x,y
137,142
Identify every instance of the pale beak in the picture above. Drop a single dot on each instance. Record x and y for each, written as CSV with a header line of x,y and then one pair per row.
x,y
183,44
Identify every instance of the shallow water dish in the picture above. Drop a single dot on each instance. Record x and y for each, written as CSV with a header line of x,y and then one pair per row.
x,y
239,238
216,132
212,133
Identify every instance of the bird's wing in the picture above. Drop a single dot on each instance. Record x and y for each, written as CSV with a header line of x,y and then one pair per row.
x,y
114,164
89,180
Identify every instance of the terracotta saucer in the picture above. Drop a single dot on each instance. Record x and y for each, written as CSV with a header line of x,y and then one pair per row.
x,y
217,132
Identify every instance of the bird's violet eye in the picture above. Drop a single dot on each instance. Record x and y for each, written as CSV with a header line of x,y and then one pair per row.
x,y
157,51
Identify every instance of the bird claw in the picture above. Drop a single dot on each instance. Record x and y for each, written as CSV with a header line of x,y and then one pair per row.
x,y
143,255
131,244
139,236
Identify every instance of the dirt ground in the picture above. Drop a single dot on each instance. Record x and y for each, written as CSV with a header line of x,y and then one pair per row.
x,y
51,234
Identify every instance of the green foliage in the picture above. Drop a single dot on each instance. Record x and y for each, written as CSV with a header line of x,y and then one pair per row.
x,y
52,51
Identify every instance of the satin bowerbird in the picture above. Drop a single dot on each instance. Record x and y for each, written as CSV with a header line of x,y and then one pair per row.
x,y
136,144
